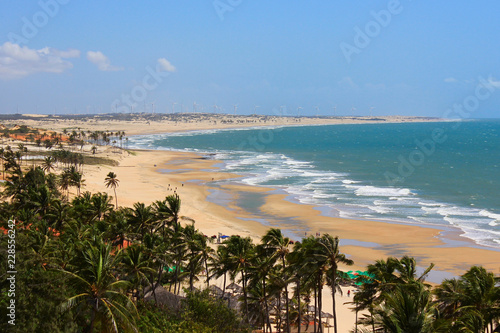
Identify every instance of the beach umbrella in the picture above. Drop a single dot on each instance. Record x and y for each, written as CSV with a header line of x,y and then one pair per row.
x,y
363,277
326,315
171,269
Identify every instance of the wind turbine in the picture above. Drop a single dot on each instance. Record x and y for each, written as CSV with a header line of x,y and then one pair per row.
x,y
173,104
281,110
334,110
235,108
371,108
255,109
194,107
352,110
298,111
215,108
317,111
153,108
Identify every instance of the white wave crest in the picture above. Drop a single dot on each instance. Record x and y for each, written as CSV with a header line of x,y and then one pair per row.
x,y
373,191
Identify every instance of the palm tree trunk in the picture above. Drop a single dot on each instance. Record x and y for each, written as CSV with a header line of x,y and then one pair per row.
x,y
160,273
153,288
286,299
268,322
224,286
191,278
298,302
245,294
373,320
278,320
116,198
320,305
208,275
356,320
315,306
176,275
334,286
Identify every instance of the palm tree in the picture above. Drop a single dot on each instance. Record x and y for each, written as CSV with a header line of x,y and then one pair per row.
x,y
330,254
76,178
65,181
136,267
200,244
100,206
256,303
112,181
449,295
476,294
220,266
259,273
407,268
48,164
240,252
371,291
408,308
118,228
39,200
297,260
98,291
278,245
157,250
141,217
168,212
178,250
196,252
58,214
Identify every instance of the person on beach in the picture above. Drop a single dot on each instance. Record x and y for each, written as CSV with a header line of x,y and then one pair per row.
x,y
349,293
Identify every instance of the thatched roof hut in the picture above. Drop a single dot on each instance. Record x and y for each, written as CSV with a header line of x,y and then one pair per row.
x,y
164,298
235,288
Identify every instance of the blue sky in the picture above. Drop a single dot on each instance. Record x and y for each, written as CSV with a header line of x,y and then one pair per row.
x,y
399,57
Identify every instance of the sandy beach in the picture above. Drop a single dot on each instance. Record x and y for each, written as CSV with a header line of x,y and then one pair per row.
x,y
146,176
141,180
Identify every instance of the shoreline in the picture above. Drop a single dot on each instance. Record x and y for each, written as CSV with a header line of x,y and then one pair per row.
x,y
449,235
146,175
212,198
366,240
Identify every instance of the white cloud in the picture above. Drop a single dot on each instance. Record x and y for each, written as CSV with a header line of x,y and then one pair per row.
x,y
101,61
166,65
495,83
20,61
450,80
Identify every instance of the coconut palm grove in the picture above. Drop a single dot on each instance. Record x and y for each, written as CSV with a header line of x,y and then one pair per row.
x,y
81,263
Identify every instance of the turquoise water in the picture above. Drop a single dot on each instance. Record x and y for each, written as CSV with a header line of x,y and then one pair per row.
x,y
424,173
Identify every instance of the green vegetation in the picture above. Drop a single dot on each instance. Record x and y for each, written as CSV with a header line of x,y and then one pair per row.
x,y
86,265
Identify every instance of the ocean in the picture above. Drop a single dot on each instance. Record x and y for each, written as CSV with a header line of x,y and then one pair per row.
x,y
435,173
